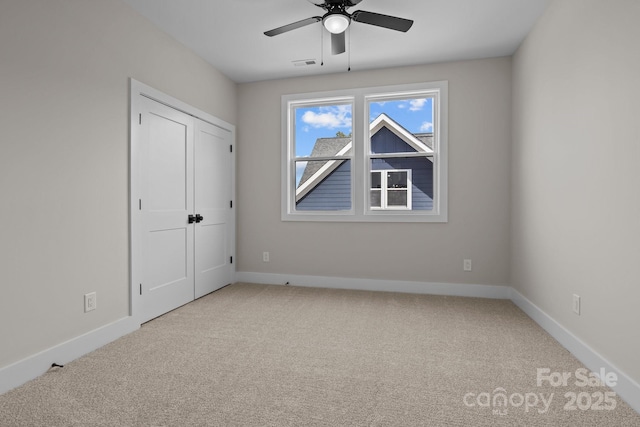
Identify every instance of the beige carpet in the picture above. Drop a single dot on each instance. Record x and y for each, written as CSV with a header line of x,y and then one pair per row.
x,y
255,355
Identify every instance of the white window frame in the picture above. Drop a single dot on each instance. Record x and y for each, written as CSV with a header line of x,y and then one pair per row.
x,y
384,190
360,163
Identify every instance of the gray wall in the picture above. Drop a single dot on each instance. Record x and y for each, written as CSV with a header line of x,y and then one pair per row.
x,y
576,180
64,158
479,153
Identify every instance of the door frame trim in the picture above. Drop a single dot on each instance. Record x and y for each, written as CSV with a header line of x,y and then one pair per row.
x,y
136,91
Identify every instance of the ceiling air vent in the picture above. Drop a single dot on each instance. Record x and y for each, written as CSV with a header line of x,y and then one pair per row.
x,y
304,62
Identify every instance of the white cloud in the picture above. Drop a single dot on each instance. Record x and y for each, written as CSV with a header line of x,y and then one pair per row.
x,y
426,127
417,104
329,117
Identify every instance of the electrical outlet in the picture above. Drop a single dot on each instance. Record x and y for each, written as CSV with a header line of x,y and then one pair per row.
x,y
576,304
466,265
90,302
265,256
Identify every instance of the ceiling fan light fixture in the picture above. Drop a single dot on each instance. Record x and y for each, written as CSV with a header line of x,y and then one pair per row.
x,y
336,23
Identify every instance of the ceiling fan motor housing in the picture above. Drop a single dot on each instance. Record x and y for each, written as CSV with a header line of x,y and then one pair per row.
x,y
326,4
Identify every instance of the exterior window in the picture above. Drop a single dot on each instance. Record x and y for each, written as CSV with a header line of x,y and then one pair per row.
x,y
323,147
390,189
375,154
401,137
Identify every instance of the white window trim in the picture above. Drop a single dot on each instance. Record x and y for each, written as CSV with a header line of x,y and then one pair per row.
x,y
360,176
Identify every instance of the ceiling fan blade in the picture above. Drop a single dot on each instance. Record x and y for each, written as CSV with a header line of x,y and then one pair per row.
x,y
386,21
292,26
338,44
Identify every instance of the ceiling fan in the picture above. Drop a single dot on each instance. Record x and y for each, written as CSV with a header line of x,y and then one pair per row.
x,y
337,20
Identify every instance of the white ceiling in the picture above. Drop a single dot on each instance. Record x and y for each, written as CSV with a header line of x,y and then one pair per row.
x,y
229,33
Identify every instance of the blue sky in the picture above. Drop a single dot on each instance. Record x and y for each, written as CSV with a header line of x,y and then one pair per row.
x,y
415,115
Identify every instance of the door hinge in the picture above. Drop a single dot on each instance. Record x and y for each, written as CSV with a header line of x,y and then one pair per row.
x,y
140,118
140,288
231,204
231,148
230,260
139,204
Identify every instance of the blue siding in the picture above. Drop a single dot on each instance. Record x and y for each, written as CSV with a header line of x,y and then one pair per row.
x,y
385,141
331,194
421,178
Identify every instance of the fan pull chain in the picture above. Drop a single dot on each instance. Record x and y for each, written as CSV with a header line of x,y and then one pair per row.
x,y
321,46
349,49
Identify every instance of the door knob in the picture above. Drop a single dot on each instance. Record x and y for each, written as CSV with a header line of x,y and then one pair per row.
x,y
192,219
199,218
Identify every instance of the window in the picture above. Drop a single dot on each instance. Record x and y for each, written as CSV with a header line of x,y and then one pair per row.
x,y
376,154
322,145
391,189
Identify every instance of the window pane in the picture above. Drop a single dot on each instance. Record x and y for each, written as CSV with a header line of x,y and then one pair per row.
x,y
376,198
401,125
322,131
323,185
376,180
396,180
397,198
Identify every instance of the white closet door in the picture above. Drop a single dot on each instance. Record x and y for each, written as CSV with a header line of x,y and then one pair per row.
x,y
213,184
182,184
166,203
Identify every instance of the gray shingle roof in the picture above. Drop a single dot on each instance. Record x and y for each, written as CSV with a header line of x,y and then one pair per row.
x,y
425,138
324,147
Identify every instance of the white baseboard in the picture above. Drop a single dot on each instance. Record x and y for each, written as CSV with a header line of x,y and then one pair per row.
x,y
450,289
20,372
626,387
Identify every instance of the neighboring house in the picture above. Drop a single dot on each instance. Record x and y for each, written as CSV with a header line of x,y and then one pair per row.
x,y
397,182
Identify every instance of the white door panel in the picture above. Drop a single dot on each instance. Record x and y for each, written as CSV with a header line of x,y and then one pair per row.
x,y
212,258
167,196
169,152
167,262
212,201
